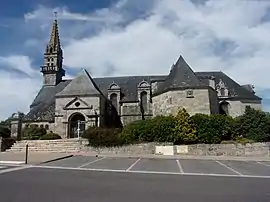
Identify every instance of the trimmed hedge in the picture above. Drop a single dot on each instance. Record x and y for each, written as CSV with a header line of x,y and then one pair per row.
x,y
50,136
103,137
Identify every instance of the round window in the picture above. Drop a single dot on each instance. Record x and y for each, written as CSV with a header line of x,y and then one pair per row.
x,y
77,104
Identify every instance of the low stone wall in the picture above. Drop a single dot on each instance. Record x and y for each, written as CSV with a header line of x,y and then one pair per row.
x,y
136,149
254,149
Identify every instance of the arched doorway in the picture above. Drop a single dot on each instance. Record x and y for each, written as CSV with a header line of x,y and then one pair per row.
x,y
73,125
224,108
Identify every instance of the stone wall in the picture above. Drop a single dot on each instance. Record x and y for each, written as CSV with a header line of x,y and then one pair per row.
x,y
254,149
130,112
169,102
137,149
237,108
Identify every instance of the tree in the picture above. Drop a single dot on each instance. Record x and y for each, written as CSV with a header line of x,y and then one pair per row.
x,y
185,130
212,129
5,128
253,124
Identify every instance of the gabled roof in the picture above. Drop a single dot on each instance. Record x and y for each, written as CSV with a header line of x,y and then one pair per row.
x,y
82,85
180,76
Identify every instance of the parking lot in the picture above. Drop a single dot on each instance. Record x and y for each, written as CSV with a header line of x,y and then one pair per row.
x,y
164,166
84,178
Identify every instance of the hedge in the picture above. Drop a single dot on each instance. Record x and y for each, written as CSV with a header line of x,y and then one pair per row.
x,y
50,136
103,137
34,132
212,129
252,126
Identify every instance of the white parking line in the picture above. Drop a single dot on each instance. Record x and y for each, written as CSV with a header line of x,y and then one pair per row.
x,y
130,167
152,172
179,166
233,170
88,163
13,169
11,162
263,163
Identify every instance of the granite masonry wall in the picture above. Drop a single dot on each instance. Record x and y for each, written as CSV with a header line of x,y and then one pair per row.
x,y
137,149
254,149
169,102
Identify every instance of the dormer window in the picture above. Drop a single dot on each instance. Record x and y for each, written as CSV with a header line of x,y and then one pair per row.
x,y
222,89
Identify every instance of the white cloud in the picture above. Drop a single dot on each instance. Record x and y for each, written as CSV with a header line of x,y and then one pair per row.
x,y
63,13
227,35
17,91
152,44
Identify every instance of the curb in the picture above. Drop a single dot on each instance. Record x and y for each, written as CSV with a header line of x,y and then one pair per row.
x,y
56,159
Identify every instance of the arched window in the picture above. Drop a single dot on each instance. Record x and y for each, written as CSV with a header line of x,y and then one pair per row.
x,y
144,101
113,98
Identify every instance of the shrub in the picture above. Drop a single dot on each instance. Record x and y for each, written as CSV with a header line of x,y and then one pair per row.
x,y
185,132
33,132
163,129
137,131
4,131
50,136
212,129
158,129
103,137
253,124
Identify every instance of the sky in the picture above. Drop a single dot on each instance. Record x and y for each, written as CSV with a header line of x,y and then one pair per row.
x,y
133,37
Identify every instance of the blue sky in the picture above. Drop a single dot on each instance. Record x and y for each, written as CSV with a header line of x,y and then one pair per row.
x,y
127,37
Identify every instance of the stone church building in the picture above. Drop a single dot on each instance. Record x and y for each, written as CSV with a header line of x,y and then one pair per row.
x,y
114,101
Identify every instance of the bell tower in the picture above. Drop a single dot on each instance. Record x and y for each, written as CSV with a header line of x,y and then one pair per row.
x,y
53,58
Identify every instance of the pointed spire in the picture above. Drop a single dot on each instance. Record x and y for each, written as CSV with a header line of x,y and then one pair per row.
x,y
181,76
54,38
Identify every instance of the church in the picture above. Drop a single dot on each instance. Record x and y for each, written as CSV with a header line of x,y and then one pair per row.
x,y
116,101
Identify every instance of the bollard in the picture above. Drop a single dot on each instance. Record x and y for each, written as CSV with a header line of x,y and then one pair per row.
x,y
26,153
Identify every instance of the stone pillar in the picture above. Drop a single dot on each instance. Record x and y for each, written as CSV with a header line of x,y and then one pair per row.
x,y
16,126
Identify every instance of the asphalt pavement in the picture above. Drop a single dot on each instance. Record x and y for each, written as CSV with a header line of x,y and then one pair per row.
x,y
49,185
90,178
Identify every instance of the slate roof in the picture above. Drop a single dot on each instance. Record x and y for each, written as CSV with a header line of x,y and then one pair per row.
x,y
81,85
236,91
42,108
180,76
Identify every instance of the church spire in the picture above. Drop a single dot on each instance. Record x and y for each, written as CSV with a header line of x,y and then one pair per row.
x,y
54,43
53,58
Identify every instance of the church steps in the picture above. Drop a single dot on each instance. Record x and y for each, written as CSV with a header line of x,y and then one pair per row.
x,y
62,145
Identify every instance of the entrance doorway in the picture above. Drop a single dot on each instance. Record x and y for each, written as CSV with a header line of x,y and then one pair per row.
x,y
224,108
73,125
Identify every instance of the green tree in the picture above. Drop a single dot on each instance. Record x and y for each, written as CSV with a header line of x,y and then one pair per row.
x,y
253,124
212,129
185,130
5,128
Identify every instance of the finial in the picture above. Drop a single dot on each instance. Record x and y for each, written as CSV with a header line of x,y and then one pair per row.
x,y
55,15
